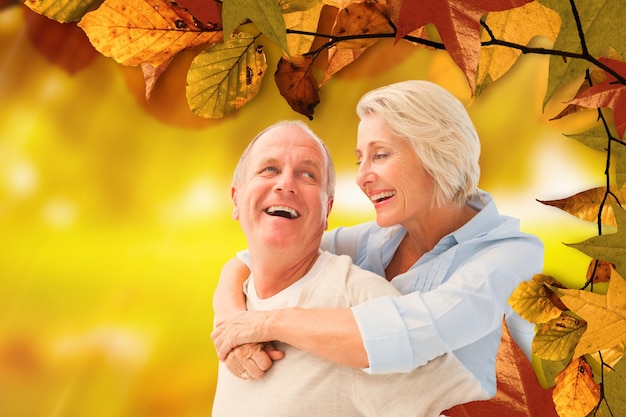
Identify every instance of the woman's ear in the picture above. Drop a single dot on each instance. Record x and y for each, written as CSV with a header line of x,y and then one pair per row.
x,y
233,196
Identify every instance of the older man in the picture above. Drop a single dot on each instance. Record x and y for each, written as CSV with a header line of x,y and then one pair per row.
x,y
282,193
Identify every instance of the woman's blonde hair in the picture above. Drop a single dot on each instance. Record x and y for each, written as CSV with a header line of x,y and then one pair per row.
x,y
440,130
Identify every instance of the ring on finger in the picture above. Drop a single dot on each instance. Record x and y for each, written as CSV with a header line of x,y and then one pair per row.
x,y
245,375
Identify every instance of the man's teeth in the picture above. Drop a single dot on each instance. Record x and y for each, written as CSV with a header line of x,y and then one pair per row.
x,y
382,196
282,211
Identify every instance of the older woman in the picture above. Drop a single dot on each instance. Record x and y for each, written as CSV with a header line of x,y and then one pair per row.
x,y
437,237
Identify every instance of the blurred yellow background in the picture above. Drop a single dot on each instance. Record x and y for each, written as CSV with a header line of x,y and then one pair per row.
x,y
115,214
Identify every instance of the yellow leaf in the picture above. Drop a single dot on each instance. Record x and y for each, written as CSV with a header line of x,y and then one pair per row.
x,y
576,393
605,315
557,339
519,26
532,302
305,21
133,32
226,76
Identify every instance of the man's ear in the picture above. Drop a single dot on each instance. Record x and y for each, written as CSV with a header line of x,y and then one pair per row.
x,y
233,196
329,206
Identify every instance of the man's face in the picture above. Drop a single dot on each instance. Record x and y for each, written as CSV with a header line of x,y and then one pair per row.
x,y
282,202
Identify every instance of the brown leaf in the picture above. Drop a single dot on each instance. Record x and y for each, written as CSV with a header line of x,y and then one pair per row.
x,y
296,83
144,31
576,393
63,44
519,392
458,24
586,204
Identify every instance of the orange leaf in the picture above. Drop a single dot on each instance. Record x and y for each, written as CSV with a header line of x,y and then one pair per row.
x,y
338,59
586,204
519,392
144,31
599,271
458,23
296,83
361,19
576,393
611,93
63,44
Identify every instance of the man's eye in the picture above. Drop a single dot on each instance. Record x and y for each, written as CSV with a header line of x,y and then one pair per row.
x,y
269,169
309,175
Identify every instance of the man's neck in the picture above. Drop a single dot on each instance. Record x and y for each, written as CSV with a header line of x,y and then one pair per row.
x,y
273,273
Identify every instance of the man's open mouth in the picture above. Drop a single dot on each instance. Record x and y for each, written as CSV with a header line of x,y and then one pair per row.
x,y
282,211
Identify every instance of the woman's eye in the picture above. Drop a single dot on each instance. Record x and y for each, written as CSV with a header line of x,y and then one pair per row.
x,y
380,155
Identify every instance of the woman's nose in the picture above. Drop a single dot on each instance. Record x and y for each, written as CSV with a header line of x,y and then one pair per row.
x,y
364,174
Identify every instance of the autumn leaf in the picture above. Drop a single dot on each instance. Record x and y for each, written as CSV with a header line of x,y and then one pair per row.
x,y
361,19
305,21
557,339
519,392
458,24
63,11
605,315
266,16
608,247
205,11
151,75
599,271
63,44
357,19
576,393
226,76
519,25
296,83
585,205
611,93
143,31
532,301
614,388
601,23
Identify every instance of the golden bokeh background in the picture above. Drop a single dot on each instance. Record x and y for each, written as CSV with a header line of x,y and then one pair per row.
x,y
115,214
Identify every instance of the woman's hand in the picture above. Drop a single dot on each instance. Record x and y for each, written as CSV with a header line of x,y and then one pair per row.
x,y
252,360
237,329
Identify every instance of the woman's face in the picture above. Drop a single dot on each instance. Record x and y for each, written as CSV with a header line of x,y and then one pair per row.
x,y
391,174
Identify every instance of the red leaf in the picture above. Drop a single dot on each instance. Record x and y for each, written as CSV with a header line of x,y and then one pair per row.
x,y
63,44
458,24
519,392
206,11
610,93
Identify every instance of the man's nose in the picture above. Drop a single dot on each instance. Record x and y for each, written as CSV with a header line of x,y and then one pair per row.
x,y
285,182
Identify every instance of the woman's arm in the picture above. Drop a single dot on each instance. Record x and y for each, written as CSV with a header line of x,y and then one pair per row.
x,y
329,333
229,297
253,358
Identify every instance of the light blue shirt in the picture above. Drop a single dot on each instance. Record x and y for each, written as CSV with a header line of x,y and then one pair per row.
x,y
455,296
